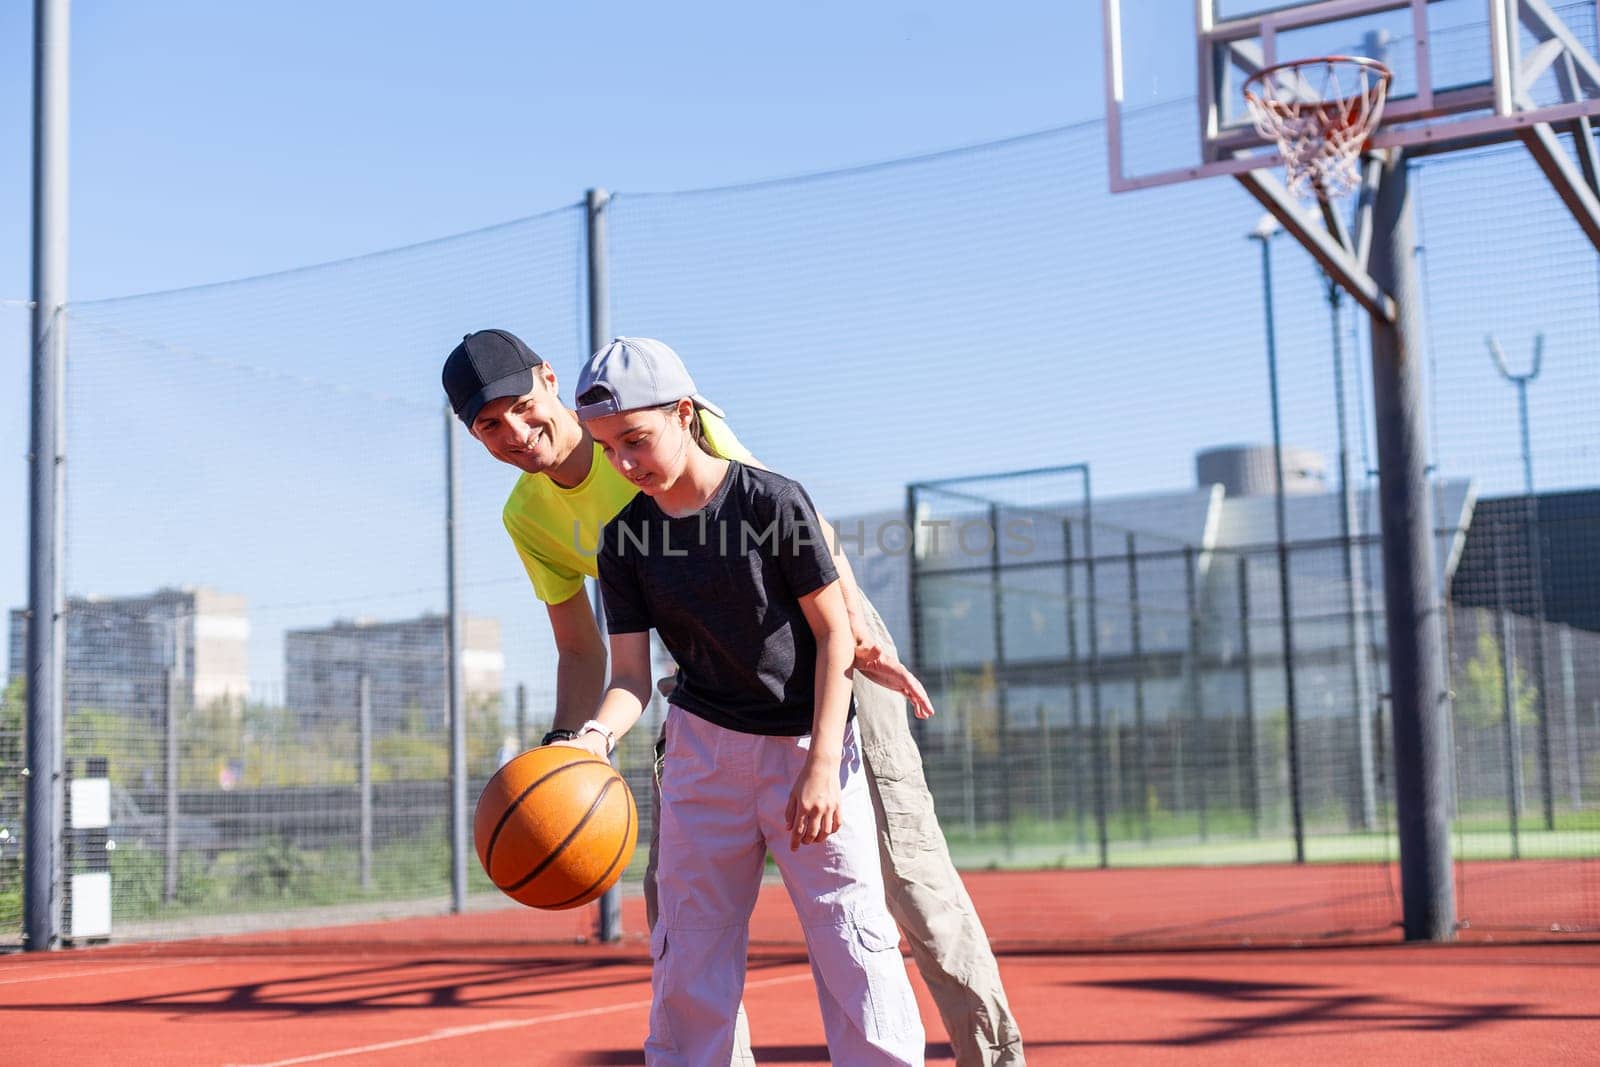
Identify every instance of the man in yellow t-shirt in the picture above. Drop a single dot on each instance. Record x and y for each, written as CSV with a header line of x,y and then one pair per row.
x,y
507,397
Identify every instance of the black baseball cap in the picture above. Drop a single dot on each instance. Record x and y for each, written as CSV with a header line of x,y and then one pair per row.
x,y
485,366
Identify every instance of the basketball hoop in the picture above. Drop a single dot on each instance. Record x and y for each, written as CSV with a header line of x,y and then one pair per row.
x,y
1321,112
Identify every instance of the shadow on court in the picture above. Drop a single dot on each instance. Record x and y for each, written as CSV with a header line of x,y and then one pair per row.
x,y
1329,1009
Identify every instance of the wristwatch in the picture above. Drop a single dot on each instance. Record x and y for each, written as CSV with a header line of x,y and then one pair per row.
x,y
595,726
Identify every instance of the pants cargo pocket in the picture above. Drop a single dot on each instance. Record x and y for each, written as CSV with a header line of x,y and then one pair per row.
x,y
891,1008
660,1032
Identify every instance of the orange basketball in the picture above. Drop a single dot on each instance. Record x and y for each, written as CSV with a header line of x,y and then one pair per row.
x,y
555,827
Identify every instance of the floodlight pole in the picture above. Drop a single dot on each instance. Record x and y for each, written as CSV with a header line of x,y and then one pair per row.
x,y
1264,234
1366,806
46,646
1421,726
1530,507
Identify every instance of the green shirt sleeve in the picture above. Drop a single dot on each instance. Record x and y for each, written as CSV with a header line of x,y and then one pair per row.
x,y
553,582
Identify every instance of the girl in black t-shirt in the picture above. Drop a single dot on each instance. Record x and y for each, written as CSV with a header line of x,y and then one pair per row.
x,y
725,562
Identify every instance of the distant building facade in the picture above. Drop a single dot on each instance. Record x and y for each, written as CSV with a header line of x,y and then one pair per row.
x,y
120,650
1185,598
403,660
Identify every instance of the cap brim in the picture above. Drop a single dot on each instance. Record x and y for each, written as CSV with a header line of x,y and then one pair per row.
x,y
702,402
514,384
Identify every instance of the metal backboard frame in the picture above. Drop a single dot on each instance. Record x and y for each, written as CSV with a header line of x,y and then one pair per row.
x,y
1533,72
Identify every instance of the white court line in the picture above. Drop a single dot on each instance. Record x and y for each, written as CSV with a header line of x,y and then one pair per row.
x,y
484,1028
103,970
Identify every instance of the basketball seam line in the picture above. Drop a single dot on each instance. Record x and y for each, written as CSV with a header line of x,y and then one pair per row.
x,y
505,816
621,847
555,852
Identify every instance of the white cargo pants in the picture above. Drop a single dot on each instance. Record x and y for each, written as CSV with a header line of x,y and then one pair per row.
x,y
723,801
925,893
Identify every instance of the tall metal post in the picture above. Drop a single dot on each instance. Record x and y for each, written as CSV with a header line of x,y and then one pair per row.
x,y
364,773
1416,679
1264,235
459,845
46,651
1530,506
610,907
1365,814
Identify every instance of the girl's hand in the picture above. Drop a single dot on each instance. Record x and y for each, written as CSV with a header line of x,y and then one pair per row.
x,y
590,742
814,805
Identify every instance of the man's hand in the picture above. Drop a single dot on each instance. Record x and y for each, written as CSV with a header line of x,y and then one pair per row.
x,y
814,804
877,663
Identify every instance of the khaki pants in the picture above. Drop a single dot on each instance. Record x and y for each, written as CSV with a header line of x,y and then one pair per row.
x,y
924,891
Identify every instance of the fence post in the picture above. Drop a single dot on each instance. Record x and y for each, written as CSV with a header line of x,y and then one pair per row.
x,y
610,906
1001,697
522,717
1196,712
456,712
364,759
1141,739
1096,716
1046,769
1508,700
1074,697
1252,770
1569,701
169,784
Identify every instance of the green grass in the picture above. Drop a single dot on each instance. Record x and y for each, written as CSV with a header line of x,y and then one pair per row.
x,y
277,876
1175,842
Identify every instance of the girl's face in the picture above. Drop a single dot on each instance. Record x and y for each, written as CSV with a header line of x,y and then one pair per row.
x,y
649,447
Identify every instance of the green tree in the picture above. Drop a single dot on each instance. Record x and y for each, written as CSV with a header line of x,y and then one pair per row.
x,y
1480,695
13,709
131,745
484,731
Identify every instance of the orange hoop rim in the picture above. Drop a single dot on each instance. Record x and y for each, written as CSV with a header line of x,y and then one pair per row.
x,y
1377,90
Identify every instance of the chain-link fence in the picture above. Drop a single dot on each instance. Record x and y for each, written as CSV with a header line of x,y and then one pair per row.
x,y
256,526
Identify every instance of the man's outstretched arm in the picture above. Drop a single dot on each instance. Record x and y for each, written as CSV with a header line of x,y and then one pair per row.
x,y
580,663
874,659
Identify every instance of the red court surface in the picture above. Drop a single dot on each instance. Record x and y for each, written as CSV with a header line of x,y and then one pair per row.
x,y
493,988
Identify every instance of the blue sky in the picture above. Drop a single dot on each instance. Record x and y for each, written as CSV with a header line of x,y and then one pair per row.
x,y
213,141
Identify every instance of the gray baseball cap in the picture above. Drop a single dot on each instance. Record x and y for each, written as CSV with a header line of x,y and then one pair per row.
x,y
636,372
